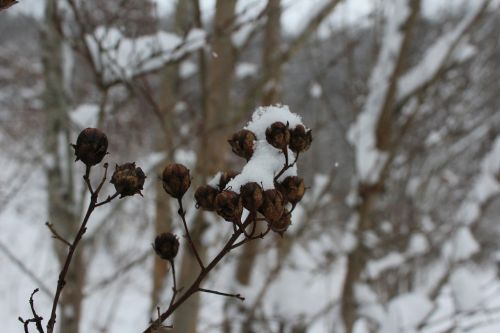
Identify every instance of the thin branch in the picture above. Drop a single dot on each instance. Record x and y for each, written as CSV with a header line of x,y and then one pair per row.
x,y
174,287
238,296
61,282
182,214
56,235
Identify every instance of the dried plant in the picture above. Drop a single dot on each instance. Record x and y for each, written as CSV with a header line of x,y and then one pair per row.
x,y
266,191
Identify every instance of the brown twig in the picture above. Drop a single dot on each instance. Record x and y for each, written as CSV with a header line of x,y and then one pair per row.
x,y
36,318
195,286
56,235
61,282
182,214
238,296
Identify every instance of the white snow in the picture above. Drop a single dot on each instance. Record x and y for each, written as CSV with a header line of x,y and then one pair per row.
x,y
187,69
418,245
375,267
406,311
464,244
85,115
485,186
120,57
245,70
466,289
436,56
369,160
264,117
316,91
266,161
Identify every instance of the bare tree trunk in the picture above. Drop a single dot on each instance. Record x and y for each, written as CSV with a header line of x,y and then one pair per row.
x,y
271,65
61,200
216,113
369,193
164,142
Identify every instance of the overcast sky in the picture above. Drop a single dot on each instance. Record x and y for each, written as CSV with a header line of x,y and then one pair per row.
x,y
351,11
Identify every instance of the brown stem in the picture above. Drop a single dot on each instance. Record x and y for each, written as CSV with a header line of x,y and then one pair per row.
x,y
174,287
182,214
61,282
56,235
238,296
195,286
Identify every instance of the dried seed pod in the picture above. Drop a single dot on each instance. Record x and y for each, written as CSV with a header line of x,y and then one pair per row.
x,y
278,135
229,206
281,225
176,180
225,177
166,246
242,143
273,205
251,196
128,179
205,197
91,146
300,139
293,189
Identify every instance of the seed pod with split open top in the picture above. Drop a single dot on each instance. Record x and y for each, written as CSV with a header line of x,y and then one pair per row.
x,y
273,205
281,225
242,143
292,188
91,146
128,179
300,139
229,206
252,196
176,180
226,177
278,135
205,197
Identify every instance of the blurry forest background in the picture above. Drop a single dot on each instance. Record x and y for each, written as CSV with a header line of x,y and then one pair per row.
x,y
398,231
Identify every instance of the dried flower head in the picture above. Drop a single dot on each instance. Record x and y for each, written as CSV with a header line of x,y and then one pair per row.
x,y
273,205
229,206
225,177
293,189
300,139
176,180
205,197
251,196
166,246
242,143
91,146
278,135
281,225
128,179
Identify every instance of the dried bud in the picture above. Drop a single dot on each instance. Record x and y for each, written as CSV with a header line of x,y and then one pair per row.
x,y
281,225
176,180
293,189
166,246
278,135
128,179
91,146
242,143
273,205
300,139
225,177
205,197
252,196
229,206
